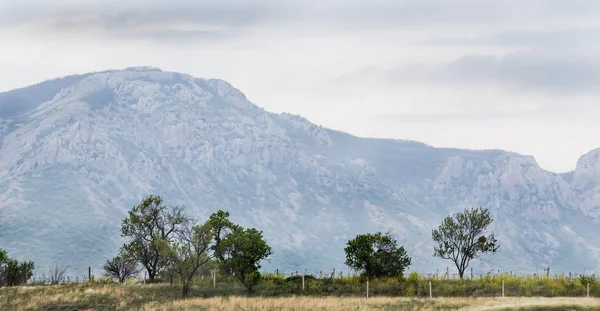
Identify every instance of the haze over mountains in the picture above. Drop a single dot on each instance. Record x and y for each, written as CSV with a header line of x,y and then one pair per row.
x,y
77,153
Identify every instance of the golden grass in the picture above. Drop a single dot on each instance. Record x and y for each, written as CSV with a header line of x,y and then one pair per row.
x,y
156,297
377,303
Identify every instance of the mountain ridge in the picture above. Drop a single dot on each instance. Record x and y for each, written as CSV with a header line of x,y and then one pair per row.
x,y
104,140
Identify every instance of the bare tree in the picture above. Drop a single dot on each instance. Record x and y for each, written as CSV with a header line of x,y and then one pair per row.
x,y
57,273
121,268
191,251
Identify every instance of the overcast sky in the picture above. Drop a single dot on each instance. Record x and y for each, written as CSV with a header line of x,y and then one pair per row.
x,y
516,75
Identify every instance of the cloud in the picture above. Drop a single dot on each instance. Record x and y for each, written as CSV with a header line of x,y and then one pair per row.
x,y
563,39
198,19
525,71
165,20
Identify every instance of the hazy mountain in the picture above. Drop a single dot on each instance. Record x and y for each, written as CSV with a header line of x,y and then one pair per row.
x,y
77,153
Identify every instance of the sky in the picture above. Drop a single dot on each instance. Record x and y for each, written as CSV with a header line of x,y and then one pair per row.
x,y
521,76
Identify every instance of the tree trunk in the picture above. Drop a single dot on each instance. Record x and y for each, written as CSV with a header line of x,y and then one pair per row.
x,y
151,274
186,289
461,272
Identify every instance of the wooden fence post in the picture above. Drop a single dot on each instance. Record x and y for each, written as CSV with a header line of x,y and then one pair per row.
x,y
430,294
588,289
367,288
447,273
303,282
502,288
321,274
89,274
471,273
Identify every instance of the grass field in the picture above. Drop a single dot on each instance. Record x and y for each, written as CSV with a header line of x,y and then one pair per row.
x,y
165,297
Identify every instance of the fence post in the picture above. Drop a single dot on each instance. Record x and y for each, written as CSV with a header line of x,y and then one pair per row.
x,y
502,288
303,282
214,278
588,289
430,295
367,288
471,273
89,274
447,273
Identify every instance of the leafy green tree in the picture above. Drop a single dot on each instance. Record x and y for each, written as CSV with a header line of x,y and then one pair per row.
x,y
190,251
241,251
376,255
150,227
464,236
13,272
221,226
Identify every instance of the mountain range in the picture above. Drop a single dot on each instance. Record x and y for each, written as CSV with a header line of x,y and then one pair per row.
x,y
76,153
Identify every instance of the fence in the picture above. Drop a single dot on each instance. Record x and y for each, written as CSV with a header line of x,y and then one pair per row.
x,y
347,283
470,274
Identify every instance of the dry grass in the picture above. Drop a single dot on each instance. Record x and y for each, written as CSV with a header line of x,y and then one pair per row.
x,y
378,303
159,297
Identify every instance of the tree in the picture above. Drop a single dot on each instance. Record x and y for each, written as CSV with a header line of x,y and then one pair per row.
x,y
221,226
376,255
190,251
241,252
150,226
13,272
56,273
121,268
462,237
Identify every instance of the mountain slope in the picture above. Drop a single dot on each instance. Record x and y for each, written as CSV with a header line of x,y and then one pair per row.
x,y
77,153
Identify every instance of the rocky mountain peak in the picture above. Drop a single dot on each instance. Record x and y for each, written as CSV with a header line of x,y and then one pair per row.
x,y
77,152
587,172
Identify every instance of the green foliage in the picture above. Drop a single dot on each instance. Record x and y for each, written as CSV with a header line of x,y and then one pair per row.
x,y
241,252
13,272
376,255
150,227
221,226
462,237
105,279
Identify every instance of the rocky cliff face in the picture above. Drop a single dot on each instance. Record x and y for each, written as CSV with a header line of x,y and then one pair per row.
x,y
77,153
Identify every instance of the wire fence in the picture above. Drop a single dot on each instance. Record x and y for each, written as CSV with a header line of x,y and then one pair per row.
x,y
346,282
470,274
